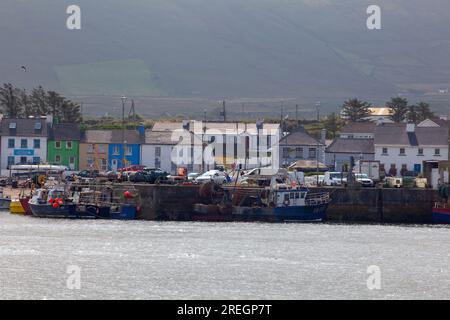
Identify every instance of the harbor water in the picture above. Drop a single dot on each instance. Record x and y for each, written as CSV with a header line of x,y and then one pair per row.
x,y
184,260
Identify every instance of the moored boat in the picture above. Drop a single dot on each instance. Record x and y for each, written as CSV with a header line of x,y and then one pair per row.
x,y
15,207
284,201
5,202
52,203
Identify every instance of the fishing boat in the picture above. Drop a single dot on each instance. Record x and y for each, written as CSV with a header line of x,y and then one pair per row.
x,y
107,201
5,202
284,200
15,207
441,209
52,203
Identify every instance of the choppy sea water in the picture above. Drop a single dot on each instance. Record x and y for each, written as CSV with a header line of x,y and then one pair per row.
x,y
170,260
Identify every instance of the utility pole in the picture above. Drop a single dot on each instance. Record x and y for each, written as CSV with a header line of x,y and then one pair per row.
x,y
123,98
296,115
224,111
318,110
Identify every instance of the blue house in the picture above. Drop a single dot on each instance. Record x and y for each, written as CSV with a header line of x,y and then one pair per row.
x,y
124,148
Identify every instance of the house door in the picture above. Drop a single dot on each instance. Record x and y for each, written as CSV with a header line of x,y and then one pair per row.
x,y
114,165
417,168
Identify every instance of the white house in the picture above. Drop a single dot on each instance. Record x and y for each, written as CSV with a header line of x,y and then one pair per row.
x,y
23,141
404,147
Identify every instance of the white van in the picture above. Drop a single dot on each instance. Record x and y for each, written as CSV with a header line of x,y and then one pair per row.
x,y
334,178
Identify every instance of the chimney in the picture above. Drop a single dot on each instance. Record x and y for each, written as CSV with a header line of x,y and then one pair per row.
x,y
410,127
323,136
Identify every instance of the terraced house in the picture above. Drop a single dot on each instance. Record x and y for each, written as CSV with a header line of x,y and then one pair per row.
x,y
23,141
106,150
63,145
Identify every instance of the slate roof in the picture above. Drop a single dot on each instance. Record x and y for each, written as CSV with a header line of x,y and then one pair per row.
x,y
65,131
24,127
396,134
111,136
341,145
225,127
299,137
359,127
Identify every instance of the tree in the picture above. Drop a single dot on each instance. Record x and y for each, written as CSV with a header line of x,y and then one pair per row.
x,y
356,110
424,111
413,114
399,108
39,102
332,124
10,102
69,112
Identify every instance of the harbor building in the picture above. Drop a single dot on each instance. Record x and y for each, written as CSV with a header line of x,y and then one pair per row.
x,y
63,145
202,146
356,141
23,141
402,147
300,145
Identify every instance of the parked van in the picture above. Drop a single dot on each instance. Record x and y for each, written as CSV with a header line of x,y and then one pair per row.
x,y
335,178
393,182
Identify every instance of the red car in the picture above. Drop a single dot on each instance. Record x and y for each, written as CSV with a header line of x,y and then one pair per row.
x,y
134,168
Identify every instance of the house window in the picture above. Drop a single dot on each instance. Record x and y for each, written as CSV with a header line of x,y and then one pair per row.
x,y
36,160
128,151
101,148
437,152
57,144
104,165
116,150
299,153
312,153
36,143
68,144
157,163
90,148
382,168
158,151
23,160
72,160
384,151
402,151
10,161
57,158
420,152
24,143
11,143
90,161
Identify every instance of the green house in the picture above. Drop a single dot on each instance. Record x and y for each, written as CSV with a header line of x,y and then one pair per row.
x,y
64,145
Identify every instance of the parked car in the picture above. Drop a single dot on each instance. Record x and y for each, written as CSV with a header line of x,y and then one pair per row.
x,y
216,176
148,175
364,180
192,176
89,174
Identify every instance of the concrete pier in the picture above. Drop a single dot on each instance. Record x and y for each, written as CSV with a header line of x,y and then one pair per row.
x,y
166,202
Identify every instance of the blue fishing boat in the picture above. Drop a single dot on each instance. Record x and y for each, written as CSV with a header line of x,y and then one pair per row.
x,y
284,201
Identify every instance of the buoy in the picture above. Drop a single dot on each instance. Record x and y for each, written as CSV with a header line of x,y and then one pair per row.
x,y
127,194
55,205
50,200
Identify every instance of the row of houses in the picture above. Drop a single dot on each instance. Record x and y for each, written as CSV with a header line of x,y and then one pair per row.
x,y
201,146
167,145
399,147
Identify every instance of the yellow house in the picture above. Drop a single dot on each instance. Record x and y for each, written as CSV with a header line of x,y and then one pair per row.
x,y
94,150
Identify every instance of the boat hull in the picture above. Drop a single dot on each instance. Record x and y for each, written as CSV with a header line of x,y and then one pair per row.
x,y
124,212
441,215
25,205
48,211
5,204
216,213
16,207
